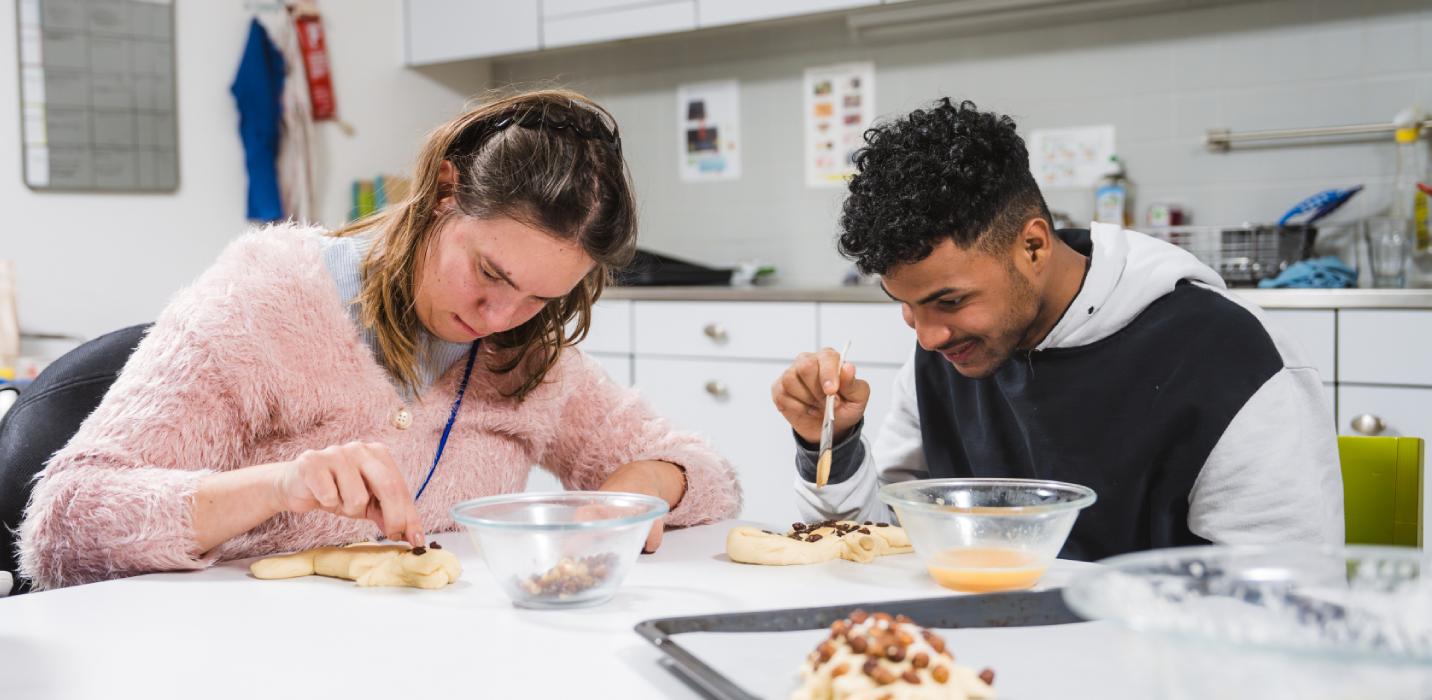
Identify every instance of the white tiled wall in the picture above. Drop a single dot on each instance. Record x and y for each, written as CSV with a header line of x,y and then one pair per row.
x,y
1162,80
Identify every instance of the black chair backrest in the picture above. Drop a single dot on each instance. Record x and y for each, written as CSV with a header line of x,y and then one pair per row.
x,y
45,417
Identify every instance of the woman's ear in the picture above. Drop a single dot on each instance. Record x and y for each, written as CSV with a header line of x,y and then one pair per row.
x,y
447,183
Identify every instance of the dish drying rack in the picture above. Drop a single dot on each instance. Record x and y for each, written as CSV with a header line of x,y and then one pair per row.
x,y
1243,255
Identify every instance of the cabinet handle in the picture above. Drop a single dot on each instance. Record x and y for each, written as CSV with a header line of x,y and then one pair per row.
x,y
718,390
716,333
1368,424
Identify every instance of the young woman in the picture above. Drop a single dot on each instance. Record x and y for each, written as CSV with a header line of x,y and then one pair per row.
x,y
314,388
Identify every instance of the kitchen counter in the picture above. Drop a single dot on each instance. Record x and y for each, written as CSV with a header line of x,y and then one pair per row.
x,y
1266,298
220,634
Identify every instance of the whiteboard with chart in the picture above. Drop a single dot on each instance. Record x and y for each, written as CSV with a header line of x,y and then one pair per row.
x,y
97,99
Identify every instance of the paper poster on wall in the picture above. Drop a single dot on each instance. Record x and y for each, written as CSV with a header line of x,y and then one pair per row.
x,y
1073,157
839,107
708,129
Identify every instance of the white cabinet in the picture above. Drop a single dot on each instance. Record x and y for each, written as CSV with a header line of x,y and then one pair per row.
x,y
708,367
716,13
449,30
1385,347
1314,333
877,332
882,383
1400,410
618,21
729,402
610,331
618,367
880,344
752,330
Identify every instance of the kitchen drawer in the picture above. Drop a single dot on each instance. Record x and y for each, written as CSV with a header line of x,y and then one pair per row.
x,y
729,402
753,330
558,8
617,366
611,328
1385,347
1403,411
877,332
619,23
1315,333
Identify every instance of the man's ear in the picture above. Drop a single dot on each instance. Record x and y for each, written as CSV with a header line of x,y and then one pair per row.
x,y
1036,243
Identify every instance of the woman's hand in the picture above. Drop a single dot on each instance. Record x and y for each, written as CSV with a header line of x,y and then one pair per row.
x,y
653,478
356,480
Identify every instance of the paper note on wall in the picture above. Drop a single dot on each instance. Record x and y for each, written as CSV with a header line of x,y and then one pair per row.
x,y
708,131
839,106
1073,157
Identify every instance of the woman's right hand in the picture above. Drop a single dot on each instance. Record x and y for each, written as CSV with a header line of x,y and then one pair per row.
x,y
356,480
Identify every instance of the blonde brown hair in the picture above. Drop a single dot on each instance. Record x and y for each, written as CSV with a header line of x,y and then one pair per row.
x,y
550,159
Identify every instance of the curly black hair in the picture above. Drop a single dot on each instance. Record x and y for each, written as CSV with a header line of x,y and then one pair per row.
x,y
950,171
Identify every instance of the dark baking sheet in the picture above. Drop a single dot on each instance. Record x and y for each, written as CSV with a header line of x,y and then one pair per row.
x,y
1021,609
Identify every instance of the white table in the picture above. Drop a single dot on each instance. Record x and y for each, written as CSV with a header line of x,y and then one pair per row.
x,y
221,634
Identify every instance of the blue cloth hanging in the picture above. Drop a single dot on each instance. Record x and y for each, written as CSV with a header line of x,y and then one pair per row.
x,y
258,91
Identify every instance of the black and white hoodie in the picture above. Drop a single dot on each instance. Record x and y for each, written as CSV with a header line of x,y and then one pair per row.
x,y
1190,417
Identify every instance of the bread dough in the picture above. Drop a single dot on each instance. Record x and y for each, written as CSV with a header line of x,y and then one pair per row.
x,y
893,658
812,544
367,563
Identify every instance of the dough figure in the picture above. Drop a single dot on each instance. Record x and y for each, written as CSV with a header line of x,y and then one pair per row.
x,y
815,543
368,563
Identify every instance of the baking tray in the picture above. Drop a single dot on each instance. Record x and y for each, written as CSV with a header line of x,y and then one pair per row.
x,y
1021,609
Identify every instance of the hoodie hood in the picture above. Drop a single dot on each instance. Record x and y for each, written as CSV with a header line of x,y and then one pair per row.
x,y
1128,270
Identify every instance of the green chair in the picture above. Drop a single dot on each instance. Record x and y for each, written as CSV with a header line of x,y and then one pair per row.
x,y
1382,489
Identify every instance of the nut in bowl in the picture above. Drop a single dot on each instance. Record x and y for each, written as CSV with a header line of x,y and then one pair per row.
x,y
983,535
559,550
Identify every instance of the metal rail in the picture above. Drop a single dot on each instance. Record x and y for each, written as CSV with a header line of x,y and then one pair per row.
x,y
1222,140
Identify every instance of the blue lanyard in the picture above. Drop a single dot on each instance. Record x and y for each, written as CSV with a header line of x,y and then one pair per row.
x,y
452,417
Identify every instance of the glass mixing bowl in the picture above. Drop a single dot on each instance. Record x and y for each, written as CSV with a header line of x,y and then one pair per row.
x,y
1271,622
557,550
979,535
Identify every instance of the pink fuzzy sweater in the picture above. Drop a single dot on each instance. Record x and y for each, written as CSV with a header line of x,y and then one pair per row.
x,y
256,362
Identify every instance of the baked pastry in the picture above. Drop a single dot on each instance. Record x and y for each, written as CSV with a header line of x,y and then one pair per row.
x,y
879,657
368,563
815,543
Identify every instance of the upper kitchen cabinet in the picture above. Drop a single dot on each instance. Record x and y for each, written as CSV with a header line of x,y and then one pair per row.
x,y
576,22
717,13
452,30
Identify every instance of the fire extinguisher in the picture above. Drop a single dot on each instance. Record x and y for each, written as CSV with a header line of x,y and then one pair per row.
x,y
314,50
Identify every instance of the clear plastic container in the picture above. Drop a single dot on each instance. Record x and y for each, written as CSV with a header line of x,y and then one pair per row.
x,y
980,535
559,550
1270,622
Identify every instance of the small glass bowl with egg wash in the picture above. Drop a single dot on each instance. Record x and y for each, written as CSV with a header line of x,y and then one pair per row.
x,y
985,535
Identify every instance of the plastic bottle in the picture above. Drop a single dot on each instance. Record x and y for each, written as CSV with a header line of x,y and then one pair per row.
x,y
1113,199
1409,202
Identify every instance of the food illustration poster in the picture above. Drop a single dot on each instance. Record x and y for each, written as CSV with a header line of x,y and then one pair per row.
x,y
839,107
1070,157
708,125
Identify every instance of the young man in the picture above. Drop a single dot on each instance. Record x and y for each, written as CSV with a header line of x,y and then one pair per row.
x,y
1100,357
